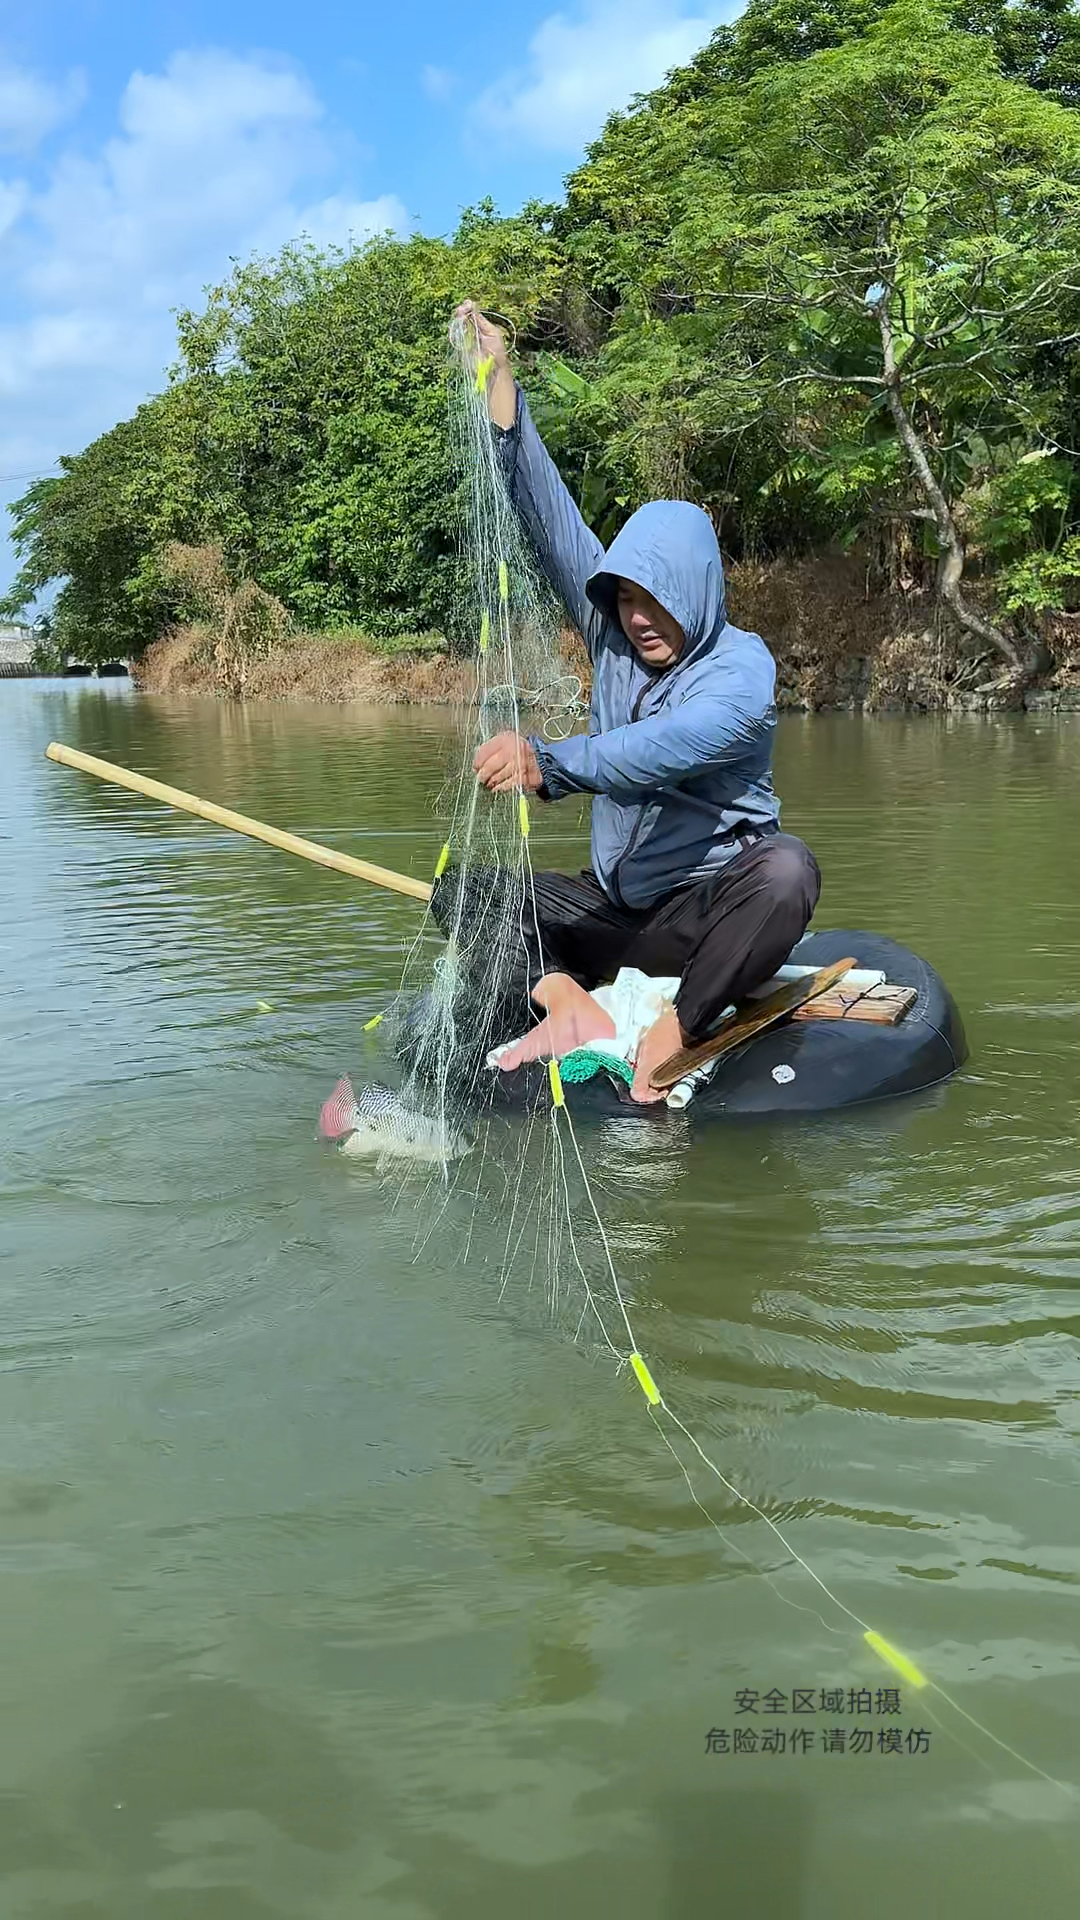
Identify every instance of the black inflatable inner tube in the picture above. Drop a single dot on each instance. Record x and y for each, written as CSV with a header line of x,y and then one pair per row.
x,y
803,1066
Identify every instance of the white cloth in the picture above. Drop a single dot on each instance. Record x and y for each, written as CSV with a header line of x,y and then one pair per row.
x,y
634,1001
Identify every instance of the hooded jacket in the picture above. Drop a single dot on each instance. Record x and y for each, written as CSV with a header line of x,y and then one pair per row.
x,y
679,759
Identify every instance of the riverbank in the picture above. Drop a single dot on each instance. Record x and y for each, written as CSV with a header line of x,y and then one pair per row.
x,y
836,645
327,668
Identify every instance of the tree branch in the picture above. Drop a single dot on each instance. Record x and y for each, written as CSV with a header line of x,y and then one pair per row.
x,y
951,569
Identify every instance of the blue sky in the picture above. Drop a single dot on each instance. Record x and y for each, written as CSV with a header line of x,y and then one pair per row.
x,y
143,146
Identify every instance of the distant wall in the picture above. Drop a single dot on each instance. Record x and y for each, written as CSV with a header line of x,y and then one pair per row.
x,y
17,658
16,646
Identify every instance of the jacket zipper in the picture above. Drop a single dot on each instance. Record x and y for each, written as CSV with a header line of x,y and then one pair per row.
x,y
629,847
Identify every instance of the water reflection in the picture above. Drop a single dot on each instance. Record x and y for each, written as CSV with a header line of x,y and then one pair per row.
x,y
338,1582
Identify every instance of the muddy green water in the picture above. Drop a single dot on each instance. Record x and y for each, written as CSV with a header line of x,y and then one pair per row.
x,y
334,1586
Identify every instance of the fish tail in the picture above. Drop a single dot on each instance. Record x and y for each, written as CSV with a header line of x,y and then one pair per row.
x,y
338,1114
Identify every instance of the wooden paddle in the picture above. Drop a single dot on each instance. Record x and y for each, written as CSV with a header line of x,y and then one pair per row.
x,y
752,1018
238,822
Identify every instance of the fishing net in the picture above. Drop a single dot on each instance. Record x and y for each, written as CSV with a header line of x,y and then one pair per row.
x,y
465,986
465,990
477,996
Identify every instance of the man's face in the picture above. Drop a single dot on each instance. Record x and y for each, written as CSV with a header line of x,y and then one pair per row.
x,y
654,635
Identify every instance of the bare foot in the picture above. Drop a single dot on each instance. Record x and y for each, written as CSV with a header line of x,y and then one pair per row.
x,y
662,1039
573,1019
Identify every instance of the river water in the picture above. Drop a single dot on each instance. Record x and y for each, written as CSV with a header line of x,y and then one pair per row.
x,y
336,1585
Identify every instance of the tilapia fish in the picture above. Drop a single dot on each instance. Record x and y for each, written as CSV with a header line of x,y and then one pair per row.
x,y
377,1120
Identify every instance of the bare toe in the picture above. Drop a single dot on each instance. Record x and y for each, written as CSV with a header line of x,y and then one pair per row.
x,y
645,1095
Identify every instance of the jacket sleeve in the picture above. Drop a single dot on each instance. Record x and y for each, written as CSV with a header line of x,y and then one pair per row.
x,y
678,744
564,546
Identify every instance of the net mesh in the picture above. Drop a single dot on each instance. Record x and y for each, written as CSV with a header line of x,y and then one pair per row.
x,y
534,1185
452,1016
456,1005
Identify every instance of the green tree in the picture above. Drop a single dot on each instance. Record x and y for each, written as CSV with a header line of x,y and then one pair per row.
x,y
1037,41
845,292
821,280
97,528
303,433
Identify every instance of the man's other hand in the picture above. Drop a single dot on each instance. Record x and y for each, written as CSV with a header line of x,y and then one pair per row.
x,y
484,340
506,762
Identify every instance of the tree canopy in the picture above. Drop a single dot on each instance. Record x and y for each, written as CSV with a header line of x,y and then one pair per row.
x,y
822,281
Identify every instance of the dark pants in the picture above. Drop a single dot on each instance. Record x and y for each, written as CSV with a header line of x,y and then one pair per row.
x,y
722,936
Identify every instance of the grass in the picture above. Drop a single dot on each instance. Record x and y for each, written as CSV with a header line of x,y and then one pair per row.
x,y
334,667
392,646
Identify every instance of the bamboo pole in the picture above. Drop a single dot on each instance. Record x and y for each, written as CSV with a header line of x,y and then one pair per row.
x,y
238,822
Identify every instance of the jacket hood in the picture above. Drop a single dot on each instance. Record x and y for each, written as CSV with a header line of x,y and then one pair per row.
x,y
670,549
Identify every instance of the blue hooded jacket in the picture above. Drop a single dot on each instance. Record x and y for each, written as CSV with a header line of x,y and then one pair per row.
x,y
679,760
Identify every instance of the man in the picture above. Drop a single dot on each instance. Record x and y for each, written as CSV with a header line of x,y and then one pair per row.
x,y
690,874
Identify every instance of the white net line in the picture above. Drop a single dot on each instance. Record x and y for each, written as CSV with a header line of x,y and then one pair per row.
x,y
534,1185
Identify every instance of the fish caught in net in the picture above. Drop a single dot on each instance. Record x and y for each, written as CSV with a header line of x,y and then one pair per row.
x,y
448,1019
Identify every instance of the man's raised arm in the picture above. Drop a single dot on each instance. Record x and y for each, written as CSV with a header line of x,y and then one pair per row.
x,y
566,549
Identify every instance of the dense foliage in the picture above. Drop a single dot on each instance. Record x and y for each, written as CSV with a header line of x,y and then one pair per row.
x,y
822,281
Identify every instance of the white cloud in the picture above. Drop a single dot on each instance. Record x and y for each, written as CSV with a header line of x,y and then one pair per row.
x,y
31,107
340,222
216,157
13,198
580,69
206,164
438,82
